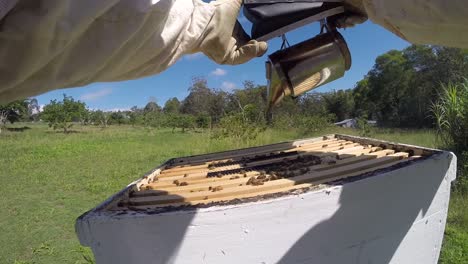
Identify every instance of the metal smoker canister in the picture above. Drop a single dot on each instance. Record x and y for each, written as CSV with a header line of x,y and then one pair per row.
x,y
306,66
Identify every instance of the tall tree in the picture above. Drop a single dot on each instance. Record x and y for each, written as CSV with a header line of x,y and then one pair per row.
x,y
250,101
199,98
389,82
340,103
152,107
399,89
172,106
312,103
451,66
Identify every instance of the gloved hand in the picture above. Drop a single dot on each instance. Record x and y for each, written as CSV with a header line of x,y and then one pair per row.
x,y
224,40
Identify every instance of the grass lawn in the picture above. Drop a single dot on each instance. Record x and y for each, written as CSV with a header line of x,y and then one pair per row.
x,y
48,179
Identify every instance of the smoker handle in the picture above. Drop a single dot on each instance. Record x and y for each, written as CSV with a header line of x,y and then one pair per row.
x,y
277,18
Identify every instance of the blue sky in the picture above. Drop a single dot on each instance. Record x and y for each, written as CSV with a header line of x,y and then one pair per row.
x,y
365,42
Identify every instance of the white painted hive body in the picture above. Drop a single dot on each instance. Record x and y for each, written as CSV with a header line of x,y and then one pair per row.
x,y
336,199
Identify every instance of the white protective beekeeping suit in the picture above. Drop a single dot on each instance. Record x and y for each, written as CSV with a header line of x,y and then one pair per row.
x,y
438,22
51,44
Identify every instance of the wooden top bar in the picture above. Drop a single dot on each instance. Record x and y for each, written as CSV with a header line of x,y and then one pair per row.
x,y
271,169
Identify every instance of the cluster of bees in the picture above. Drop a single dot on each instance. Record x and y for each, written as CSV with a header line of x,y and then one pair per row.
x,y
245,160
257,175
283,169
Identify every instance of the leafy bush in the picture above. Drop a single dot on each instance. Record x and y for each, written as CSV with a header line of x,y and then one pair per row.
x,y
203,121
181,121
238,127
365,130
308,124
283,121
99,118
462,175
450,113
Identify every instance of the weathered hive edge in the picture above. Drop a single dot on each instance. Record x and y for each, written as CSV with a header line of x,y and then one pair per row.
x,y
388,144
107,208
133,225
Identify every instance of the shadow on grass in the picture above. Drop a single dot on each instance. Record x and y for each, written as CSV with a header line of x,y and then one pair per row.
x,y
17,129
67,132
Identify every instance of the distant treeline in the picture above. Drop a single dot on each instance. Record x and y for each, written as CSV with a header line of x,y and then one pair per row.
x,y
398,92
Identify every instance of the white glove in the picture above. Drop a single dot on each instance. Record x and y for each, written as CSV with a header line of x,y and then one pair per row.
x,y
224,41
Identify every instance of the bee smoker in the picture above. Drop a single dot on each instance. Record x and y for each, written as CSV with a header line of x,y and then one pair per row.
x,y
294,70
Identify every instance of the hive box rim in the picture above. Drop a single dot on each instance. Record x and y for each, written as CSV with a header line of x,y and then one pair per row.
x,y
103,208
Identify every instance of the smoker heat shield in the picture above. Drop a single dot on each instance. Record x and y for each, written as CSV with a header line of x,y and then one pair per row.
x,y
306,66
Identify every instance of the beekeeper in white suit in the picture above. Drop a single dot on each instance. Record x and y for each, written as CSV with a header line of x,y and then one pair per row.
x,y
51,44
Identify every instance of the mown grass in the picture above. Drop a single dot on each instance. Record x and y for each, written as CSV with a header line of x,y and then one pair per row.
x,y
48,179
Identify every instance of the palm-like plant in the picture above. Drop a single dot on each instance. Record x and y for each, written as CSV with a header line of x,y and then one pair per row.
x,y
450,113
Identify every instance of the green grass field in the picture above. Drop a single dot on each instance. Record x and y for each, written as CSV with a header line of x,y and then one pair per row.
x,y
49,179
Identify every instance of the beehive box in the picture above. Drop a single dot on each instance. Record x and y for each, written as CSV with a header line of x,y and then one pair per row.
x,y
333,199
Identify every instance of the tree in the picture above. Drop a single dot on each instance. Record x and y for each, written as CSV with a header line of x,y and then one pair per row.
x,y
282,115
451,65
61,114
181,121
203,121
152,107
250,102
199,98
100,118
117,118
12,112
340,103
389,81
135,116
154,119
363,105
172,106
399,89
217,105
312,104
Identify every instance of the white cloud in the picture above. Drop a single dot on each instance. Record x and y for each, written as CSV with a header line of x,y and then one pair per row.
x,y
228,86
96,95
218,72
118,109
194,56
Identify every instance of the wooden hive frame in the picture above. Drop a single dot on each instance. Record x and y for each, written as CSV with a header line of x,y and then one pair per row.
x,y
266,170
